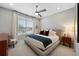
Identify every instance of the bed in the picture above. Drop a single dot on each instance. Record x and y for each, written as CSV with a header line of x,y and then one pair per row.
x,y
39,47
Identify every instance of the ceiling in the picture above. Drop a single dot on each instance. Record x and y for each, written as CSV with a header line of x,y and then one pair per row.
x,y
29,8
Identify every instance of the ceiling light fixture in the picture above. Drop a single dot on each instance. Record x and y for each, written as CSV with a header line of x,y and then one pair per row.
x,y
58,8
36,14
11,4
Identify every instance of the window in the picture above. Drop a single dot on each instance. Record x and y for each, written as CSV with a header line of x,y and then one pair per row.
x,y
29,24
24,25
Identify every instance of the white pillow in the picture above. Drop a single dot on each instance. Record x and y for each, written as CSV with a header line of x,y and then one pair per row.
x,y
51,32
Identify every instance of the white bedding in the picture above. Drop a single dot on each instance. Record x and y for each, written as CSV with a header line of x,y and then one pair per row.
x,y
39,44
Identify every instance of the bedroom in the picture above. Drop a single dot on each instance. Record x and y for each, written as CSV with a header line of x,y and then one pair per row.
x,y
52,26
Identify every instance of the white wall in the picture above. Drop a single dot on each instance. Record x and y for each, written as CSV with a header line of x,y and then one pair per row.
x,y
58,20
5,20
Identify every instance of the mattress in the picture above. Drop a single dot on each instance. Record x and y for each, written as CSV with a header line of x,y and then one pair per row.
x,y
39,44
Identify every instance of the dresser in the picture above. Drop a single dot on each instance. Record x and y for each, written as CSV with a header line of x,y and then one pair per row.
x,y
3,44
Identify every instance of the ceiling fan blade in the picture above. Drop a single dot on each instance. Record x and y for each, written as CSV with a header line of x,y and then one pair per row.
x,y
40,15
43,10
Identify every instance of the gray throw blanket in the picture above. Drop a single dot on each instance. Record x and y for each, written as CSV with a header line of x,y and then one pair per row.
x,y
44,40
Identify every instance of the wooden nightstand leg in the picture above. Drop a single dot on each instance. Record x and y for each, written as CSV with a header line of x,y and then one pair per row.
x,y
63,43
70,45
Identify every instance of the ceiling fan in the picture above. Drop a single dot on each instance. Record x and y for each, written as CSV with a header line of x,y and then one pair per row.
x,y
38,12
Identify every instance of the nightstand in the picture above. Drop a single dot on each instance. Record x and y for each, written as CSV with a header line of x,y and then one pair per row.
x,y
66,41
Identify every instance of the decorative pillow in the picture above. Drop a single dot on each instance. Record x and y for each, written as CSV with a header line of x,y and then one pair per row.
x,y
52,33
42,32
46,33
